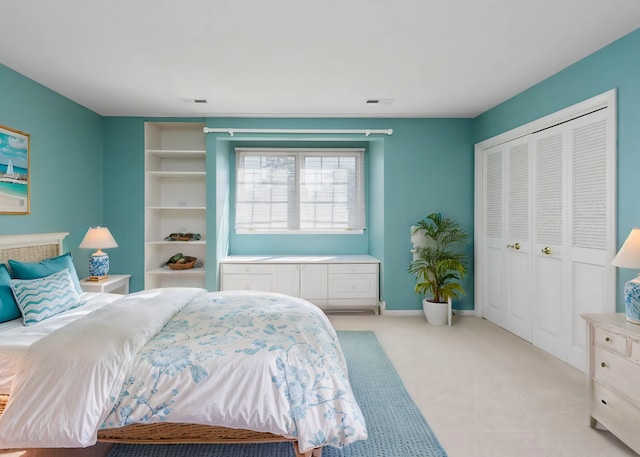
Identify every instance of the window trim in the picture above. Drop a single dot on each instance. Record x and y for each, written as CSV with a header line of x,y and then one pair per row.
x,y
359,152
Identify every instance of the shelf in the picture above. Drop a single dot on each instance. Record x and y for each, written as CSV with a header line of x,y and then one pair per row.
x,y
176,174
169,271
177,153
179,208
162,242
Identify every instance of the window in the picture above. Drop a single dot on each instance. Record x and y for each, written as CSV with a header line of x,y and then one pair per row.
x,y
301,190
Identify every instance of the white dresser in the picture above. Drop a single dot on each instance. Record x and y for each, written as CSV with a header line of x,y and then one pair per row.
x,y
614,371
341,282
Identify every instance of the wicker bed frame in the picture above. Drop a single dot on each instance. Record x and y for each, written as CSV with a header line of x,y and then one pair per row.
x,y
36,247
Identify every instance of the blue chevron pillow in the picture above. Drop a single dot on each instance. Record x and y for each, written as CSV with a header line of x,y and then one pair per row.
x,y
41,298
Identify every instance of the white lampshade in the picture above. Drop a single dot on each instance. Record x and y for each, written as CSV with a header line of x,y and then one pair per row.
x,y
629,254
98,238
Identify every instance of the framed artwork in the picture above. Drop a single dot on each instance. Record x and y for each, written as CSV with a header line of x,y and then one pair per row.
x,y
14,171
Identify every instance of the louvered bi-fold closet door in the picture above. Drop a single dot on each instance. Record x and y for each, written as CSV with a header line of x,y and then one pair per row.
x,y
574,214
507,237
591,239
550,306
518,240
493,267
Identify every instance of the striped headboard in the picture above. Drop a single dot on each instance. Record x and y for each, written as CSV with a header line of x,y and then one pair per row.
x,y
31,247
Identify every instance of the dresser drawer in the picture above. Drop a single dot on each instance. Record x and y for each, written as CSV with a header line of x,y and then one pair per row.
x,y
617,372
619,416
612,341
635,351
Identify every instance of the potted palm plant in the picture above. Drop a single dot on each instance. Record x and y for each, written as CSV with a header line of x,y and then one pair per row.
x,y
439,265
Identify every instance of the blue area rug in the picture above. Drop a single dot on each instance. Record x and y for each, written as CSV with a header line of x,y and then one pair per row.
x,y
395,425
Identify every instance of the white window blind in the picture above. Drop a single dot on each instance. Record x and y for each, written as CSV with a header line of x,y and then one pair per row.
x,y
301,190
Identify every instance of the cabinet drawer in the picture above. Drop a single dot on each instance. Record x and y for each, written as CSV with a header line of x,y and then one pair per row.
x,y
617,372
255,268
345,268
247,282
612,341
619,416
353,286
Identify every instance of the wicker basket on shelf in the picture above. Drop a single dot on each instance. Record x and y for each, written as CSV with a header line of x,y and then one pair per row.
x,y
183,263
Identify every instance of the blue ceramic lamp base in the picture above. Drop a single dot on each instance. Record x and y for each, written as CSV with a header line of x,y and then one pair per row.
x,y
99,266
632,300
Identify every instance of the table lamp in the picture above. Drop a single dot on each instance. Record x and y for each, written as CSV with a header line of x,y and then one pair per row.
x,y
629,257
98,238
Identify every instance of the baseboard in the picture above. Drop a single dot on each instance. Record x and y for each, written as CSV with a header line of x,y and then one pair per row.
x,y
419,312
402,312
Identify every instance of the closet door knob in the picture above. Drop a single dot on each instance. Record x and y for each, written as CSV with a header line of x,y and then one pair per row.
x,y
546,250
515,246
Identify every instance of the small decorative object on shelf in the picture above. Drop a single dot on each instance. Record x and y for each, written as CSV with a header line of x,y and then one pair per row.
x,y
183,237
181,262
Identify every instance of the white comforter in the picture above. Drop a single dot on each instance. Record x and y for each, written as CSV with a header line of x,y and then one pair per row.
x,y
15,337
256,361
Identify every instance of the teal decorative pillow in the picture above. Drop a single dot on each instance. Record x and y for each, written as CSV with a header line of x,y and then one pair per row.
x,y
34,270
41,298
8,306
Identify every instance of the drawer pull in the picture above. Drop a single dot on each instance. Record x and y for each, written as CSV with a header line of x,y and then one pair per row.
x,y
603,365
603,402
607,339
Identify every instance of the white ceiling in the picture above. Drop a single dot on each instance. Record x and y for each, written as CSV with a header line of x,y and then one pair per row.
x,y
428,58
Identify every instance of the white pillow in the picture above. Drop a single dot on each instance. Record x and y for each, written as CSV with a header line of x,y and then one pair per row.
x,y
41,298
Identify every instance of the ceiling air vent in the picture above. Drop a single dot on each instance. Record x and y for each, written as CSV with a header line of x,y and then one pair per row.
x,y
383,101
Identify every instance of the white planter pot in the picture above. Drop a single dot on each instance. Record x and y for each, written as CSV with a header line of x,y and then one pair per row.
x,y
437,313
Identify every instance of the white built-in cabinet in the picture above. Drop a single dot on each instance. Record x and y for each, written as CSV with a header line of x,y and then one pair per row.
x,y
545,227
342,282
175,201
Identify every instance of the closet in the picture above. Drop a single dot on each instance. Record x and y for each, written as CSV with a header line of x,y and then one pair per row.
x,y
545,227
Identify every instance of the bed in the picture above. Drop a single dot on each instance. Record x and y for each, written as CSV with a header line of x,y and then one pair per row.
x,y
196,367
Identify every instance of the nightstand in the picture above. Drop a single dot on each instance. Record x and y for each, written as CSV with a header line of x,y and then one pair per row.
x,y
115,284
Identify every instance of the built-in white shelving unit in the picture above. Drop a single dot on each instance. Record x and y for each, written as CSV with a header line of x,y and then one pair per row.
x,y
175,201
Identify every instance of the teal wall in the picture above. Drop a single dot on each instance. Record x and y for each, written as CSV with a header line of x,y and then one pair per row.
x,y
66,165
124,195
615,66
405,171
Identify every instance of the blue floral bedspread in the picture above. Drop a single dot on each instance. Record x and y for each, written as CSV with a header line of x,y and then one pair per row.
x,y
249,360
